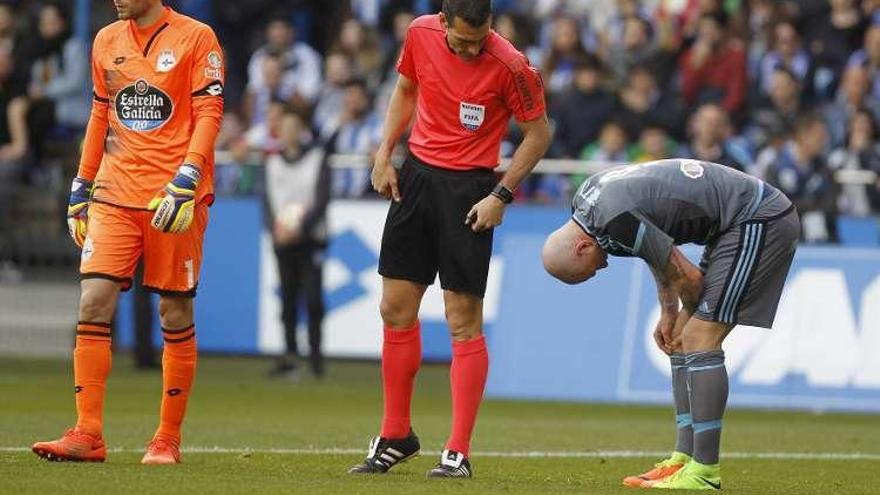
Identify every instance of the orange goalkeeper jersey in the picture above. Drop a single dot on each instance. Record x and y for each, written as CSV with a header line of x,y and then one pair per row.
x,y
158,102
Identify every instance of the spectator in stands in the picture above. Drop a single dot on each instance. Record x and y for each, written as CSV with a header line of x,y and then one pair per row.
x,y
654,144
362,47
710,139
774,117
300,64
59,76
612,148
272,88
642,101
787,53
860,152
565,50
635,47
359,133
331,100
576,127
297,194
597,13
13,122
265,137
10,41
832,37
690,16
391,48
871,10
799,170
869,57
713,69
239,172
613,30
232,129
762,14
853,94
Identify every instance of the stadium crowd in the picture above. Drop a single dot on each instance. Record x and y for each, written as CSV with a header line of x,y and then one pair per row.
x,y
786,90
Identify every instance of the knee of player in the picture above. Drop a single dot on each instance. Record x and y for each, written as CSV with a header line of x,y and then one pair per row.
x,y
96,306
463,325
699,335
175,312
397,314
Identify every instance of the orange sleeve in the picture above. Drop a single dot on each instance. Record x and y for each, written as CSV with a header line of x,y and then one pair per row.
x,y
99,122
207,114
207,98
93,144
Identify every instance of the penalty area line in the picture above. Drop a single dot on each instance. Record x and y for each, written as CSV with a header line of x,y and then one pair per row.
x,y
596,454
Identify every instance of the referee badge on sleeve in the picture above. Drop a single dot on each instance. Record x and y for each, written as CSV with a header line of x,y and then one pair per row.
x,y
471,116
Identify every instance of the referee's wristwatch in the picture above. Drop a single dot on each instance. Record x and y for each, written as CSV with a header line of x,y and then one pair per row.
x,y
503,193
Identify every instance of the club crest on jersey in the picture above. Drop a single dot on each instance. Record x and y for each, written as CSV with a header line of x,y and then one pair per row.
x,y
142,107
88,249
166,60
471,116
692,168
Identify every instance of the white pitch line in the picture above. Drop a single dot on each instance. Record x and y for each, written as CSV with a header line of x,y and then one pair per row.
x,y
621,454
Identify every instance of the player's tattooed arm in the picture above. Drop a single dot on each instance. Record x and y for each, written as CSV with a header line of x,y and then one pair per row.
x,y
684,278
669,308
678,280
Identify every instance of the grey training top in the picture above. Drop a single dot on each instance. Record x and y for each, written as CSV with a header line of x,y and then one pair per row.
x,y
643,210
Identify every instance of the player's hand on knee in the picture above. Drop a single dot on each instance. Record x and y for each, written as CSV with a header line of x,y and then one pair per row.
x,y
174,205
486,214
663,333
78,209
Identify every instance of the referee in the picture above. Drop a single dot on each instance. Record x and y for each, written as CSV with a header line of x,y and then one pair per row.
x,y
462,81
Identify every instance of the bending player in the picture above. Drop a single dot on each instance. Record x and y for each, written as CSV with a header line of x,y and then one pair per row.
x,y
143,189
750,230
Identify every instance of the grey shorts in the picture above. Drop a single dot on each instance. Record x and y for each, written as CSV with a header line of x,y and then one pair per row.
x,y
744,268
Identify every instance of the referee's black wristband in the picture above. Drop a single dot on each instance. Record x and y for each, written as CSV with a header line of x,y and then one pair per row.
x,y
503,193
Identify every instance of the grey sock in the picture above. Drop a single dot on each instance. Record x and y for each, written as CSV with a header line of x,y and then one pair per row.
x,y
707,385
684,440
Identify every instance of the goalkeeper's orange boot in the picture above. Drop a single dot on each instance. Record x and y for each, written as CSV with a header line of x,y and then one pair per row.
x,y
161,450
662,469
75,445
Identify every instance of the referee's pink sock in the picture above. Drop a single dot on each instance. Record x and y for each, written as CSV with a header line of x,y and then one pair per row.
x,y
401,357
470,366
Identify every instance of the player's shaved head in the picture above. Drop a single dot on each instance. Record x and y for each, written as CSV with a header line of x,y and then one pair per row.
x,y
571,255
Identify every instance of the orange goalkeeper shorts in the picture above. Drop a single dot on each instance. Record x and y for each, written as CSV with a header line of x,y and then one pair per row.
x,y
117,238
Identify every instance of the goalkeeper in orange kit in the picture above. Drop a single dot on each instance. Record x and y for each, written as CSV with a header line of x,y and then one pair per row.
x,y
143,190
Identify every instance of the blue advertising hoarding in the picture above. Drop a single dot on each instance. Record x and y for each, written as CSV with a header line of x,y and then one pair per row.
x,y
548,340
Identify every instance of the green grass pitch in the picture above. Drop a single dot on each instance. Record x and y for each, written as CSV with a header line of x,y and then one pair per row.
x,y
246,416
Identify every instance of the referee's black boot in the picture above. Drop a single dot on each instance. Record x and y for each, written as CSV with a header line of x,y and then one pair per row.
x,y
386,453
452,465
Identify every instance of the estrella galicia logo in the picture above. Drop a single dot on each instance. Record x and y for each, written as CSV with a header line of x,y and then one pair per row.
x,y
141,107
174,391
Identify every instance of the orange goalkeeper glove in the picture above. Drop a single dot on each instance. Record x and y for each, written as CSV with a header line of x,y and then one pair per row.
x,y
78,209
174,205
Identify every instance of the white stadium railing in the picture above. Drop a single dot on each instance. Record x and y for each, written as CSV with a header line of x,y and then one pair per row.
x,y
559,166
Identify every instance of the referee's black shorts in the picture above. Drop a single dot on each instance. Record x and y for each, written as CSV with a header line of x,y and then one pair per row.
x,y
425,232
